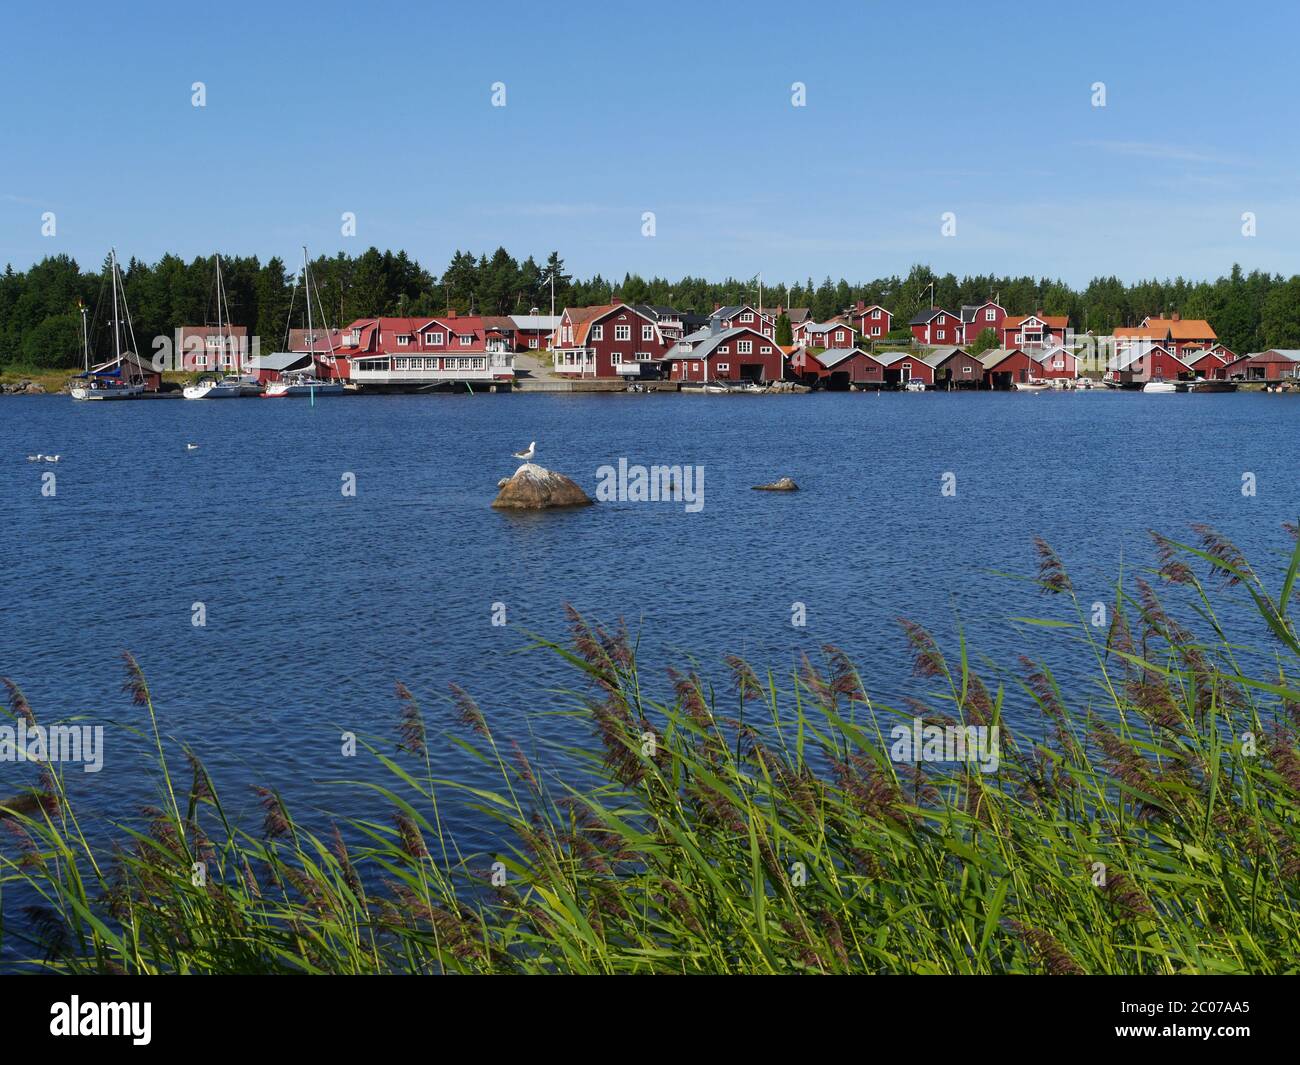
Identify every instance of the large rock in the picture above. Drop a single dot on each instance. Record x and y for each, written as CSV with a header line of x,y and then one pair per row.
x,y
535,488
785,484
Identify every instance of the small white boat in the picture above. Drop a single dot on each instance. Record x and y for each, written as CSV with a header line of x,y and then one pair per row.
x,y
103,390
705,390
228,387
914,384
1031,386
1159,386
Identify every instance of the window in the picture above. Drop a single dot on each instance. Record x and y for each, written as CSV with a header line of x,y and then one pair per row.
x,y
1058,364
644,356
478,363
748,316
725,349
965,369
839,336
766,349
597,332
990,315
403,339
744,347
466,340
532,342
622,332
940,334
875,315
433,338
400,363
647,332
724,367
875,330
616,358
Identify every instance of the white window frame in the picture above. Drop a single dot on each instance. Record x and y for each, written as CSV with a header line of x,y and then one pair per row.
x,y
622,332
647,331
433,338
466,340
723,367
597,332
744,347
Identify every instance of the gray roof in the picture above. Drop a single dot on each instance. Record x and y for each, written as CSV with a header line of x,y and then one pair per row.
x,y
925,315
1291,354
831,356
536,321
888,358
826,327
707,344
939,356
994,356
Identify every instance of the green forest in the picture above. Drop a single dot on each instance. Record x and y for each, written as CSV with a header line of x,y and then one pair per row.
x,y
40,319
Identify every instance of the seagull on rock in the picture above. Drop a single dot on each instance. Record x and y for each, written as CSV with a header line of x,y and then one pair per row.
x,y
527,456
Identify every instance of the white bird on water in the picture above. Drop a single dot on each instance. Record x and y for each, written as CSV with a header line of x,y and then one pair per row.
x,y
35,458
52,458
527,456
191,447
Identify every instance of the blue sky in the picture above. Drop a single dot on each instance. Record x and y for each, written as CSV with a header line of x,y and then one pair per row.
x,y
384,110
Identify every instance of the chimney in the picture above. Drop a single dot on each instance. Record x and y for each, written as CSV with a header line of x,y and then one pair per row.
x,y
451,313
1175,316
862,305
614,297
717,306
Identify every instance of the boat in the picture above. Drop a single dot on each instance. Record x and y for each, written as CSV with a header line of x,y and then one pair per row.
x,y
914,384
1159,385
1203,385
218,386
1031,386
302,383
103,384
299,383
705,390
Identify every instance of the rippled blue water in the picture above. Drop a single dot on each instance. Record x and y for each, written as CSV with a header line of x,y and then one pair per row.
x,y
316,603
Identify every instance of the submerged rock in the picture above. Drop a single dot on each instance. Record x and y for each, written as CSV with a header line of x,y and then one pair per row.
x,y
785,484
535,488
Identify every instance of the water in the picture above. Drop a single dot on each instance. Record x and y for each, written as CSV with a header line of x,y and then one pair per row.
x,y
316,603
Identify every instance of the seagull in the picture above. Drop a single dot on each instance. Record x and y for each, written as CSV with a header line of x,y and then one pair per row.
x,y
527,455
51,458
35,458
191,447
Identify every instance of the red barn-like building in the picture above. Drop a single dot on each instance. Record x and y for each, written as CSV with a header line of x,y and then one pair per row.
x,y
936,326
872,322
610,340
977,317
740,354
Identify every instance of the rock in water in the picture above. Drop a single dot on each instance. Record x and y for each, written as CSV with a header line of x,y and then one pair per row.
x,y
785,484
536,488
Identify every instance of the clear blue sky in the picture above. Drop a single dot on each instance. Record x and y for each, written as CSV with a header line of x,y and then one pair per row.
x,y
683,109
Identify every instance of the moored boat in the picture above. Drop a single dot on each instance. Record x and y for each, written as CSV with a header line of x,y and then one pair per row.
x,y
1159,386
125,380
302,383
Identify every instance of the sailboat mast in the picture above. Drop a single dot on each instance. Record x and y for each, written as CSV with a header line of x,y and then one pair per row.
x,y
85,339
117,345
306,288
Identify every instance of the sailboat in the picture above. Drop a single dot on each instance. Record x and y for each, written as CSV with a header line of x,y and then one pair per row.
x,y
103,383
305,382
232,385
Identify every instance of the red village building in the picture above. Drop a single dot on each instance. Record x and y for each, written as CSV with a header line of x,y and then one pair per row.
x,y
1055,363
421,351
207,347
1006,367
1175,334
1275,366
872,322
900,367
1034,330
936,326
1211,364
737,354
732,316
609,340
824,335
850,368
533,331
953,367
977,317
1137,364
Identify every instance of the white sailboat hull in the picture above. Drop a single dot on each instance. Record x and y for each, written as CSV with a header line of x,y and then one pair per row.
x,y
1159,386
213,390
125,392
299,389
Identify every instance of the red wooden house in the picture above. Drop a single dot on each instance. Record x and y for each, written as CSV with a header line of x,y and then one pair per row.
x,y
1274,366
1006,367
1138,364
610,340
1177,335
872,321
805,367
977,317
824,335
849,367
954,368
936,326
1034,330
1208,363
1055,363
743,316
738,354
900,367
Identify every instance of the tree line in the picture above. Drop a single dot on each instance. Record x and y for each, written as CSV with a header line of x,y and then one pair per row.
x,y
41,321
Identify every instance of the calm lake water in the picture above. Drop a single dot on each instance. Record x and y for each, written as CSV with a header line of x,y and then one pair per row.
x,y
316,603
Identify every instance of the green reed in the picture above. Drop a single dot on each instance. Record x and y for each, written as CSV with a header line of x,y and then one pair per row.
x,y
1146,825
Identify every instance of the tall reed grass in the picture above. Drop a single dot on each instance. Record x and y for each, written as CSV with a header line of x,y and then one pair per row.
x,y
1146,825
